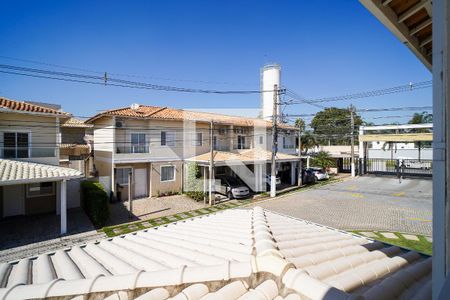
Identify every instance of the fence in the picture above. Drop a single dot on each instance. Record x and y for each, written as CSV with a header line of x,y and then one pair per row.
x,y
396,167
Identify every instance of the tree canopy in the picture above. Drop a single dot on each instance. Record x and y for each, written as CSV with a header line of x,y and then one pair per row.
x,y
333,125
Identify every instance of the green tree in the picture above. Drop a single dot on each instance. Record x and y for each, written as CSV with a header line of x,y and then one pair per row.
x,y
323,160
335,125
300,123
308,141
421,118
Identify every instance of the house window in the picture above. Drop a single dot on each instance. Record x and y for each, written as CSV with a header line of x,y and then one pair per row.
x,y
215,142
167,173
261,140
241,142
167,138
138,143
40,189
16,145
122,175
198,139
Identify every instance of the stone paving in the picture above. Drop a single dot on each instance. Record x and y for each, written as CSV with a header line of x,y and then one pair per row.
x,y
364,203
150,208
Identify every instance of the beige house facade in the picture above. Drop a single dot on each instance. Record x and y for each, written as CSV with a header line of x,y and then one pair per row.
x,y
31,180
153,144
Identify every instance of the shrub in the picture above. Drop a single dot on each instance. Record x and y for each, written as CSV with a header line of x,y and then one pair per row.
x,y
95,202
194,186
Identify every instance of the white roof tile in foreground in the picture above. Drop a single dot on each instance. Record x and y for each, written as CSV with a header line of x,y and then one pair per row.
x,y
19,172
234,254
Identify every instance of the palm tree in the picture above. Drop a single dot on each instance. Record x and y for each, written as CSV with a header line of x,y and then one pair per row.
x,y
323,160
421,118
308,141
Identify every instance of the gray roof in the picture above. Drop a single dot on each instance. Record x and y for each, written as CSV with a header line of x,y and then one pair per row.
x,y
19,172
234,254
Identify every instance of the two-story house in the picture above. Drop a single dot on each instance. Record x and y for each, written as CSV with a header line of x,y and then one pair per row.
x,y
153,143
31,180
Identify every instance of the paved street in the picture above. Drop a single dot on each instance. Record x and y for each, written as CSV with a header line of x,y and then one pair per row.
x,y
366,203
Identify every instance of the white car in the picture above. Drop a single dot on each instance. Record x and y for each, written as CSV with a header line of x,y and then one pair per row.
x,y
231,187
320,174
268,180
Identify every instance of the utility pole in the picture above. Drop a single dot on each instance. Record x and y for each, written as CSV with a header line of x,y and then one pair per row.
x,y
130,202
352,125
211,165
273,181
300,163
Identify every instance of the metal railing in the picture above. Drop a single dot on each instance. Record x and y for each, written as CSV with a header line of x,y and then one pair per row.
x,y
127,148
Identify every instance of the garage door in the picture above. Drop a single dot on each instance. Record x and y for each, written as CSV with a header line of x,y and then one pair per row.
x,y
140,183
13,200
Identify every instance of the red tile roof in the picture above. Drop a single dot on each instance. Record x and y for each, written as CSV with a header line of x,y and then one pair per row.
x,y
166,113
22,106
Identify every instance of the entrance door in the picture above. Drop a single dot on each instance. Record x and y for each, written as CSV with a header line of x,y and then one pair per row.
x,y
13,200
140,183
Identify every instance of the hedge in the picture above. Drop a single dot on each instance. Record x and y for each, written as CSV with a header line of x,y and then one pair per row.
x,y
95,201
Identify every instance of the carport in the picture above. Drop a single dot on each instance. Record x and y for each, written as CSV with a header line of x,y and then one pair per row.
x,y
250,165
31,185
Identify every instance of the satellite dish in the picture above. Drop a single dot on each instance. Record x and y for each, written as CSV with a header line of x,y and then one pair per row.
x,y
134,106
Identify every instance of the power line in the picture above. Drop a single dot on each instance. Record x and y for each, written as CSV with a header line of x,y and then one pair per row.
x,y
119,74
374,93
108,81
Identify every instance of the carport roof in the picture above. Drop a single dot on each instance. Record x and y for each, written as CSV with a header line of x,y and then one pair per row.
x,y
22,172
188,259
244,156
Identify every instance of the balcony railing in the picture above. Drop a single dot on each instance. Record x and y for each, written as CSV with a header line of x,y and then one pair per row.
x,y
127,148
241,147
27,152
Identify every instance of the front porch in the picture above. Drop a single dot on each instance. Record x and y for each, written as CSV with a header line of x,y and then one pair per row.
x,y
28,188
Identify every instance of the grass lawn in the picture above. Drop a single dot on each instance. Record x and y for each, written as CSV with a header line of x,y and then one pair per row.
x,y
422,245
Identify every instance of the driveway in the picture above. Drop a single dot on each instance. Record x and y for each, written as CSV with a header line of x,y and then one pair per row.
x,y
363,203
154,207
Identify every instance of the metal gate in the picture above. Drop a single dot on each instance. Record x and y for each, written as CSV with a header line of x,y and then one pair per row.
x,y
396,167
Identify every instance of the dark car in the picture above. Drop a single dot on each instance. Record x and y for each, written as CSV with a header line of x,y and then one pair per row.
x,y
308,176
231,187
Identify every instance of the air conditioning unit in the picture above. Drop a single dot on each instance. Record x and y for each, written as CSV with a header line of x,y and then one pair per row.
x,y
119,124
221,131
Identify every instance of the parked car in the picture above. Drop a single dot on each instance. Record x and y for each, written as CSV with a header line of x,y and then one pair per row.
x,y
231,187
268,181
320,173
308,176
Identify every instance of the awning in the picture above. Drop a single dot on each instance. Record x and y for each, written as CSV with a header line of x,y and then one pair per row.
x,y
242,156
23,172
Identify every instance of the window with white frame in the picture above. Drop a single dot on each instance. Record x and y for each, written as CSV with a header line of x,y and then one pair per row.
x,y
167,173
167,138
39,189
197,139
122,175
16,144
138,144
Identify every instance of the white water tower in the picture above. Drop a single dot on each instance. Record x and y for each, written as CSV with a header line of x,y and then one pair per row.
x,y
270,75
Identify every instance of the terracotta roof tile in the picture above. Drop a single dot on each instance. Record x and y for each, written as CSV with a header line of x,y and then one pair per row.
x,y
166,113
76,123
22,106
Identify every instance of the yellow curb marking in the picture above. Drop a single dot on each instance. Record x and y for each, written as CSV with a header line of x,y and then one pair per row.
x,y
357,195
352,187
401,194
419,219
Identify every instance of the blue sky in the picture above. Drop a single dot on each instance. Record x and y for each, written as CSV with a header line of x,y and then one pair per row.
x,y
325,48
